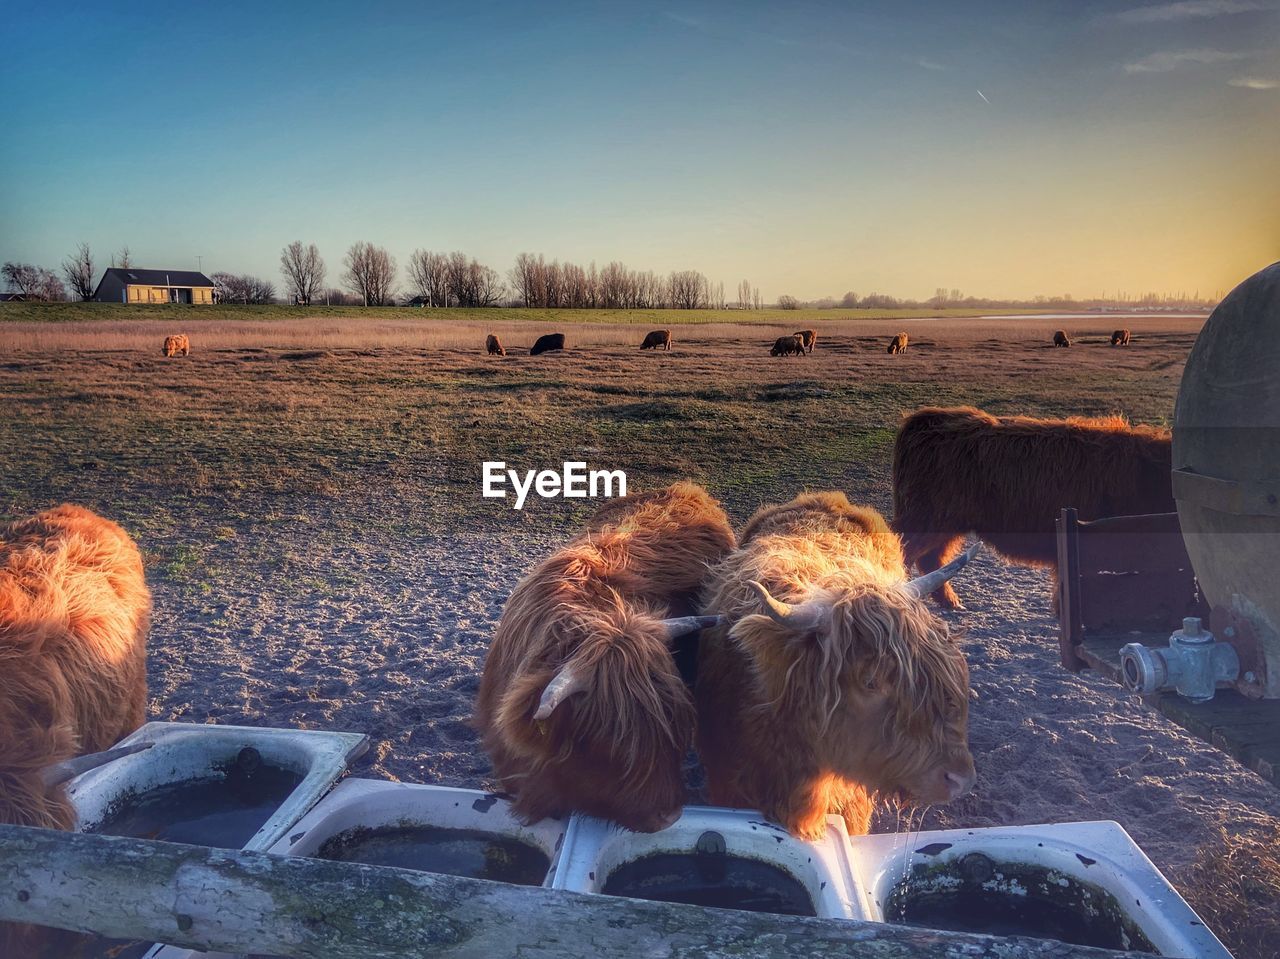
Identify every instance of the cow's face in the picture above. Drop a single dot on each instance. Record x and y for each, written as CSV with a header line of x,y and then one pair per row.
x,y
875,684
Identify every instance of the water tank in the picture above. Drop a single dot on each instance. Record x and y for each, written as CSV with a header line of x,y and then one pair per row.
x,y
1226,464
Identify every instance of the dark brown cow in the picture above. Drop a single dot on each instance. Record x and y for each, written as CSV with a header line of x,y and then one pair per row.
x,y
581,706
960,471
547,343
792,345
1120,338
831,681
74,614
493,345
658,339
899,344
1060,338
808,338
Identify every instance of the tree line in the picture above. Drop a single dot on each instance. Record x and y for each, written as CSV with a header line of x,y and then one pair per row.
x,y
370,277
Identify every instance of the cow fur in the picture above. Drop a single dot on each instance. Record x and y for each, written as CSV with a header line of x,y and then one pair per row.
x,y
616,749
74,615
658,339
792,345
493,345
898,344
177,344
547,343
873,700
959,471
1120,338
1060,338
807,338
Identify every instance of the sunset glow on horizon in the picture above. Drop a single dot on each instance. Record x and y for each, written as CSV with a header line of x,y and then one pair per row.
x,y
1083,148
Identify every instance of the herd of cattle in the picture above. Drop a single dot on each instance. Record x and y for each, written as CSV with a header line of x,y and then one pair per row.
x,y
794,654
797,344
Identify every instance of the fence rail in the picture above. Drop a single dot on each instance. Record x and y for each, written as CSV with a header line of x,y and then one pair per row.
x,y
239,901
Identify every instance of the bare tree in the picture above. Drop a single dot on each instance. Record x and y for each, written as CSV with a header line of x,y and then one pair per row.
x,y
688,289
125,258
370,274
849,300
33,282
429,274
78,269
303,270
242,288
788,303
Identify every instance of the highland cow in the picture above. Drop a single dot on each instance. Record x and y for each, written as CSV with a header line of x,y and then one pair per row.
x,y
74,615
830,682
548,343
1120,338
658,339
177,344
1060,338
581,706
960,471
493,345
898,344
807,338
792,345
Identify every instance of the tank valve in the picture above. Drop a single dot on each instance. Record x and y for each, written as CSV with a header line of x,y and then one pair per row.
x,y
1193,664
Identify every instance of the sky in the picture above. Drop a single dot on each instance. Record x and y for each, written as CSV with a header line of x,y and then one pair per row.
x,y
1005,149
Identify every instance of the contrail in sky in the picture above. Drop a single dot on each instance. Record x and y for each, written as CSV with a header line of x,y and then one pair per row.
x,y
984,97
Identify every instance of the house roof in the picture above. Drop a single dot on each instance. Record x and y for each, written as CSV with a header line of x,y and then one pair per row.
x,y
158,277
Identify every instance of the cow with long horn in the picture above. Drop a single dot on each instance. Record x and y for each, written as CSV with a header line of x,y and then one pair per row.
x,y
581,705
830,682
74,615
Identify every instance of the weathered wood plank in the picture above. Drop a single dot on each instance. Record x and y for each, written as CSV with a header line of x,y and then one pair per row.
x,y
248,901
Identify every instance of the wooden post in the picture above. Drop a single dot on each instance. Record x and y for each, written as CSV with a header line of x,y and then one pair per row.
x,y
1070,619
240,901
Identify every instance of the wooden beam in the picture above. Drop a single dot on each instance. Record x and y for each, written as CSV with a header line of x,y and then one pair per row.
x,y
241,901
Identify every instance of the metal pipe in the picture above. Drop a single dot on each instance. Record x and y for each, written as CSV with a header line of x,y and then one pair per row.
x,y
1192,665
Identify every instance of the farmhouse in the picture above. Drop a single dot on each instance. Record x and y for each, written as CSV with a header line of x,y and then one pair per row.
x,y
129,285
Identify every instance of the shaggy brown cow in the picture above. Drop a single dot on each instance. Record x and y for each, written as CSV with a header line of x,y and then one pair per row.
x,y
792,345
835,682
493,345
808,338
547,343
173,345
1120,338
581,706
658,339
898,344
74,614
960,471
1060,338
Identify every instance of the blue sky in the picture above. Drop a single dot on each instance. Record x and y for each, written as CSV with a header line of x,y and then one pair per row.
x,y
812,148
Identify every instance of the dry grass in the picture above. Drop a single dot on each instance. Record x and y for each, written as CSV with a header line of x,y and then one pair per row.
x,y
1234,885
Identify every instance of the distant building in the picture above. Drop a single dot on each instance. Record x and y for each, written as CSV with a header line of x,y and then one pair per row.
x,y
13,297
121,285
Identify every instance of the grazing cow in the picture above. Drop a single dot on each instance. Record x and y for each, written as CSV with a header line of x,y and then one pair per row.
x,y
830,682
808,338
1060,338
792,345
1120,338
74,614
581,706
547,343
173,345
960,471
493,345
898,344
658,339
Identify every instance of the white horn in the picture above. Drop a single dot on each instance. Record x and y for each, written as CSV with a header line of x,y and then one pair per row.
x,y
59,773
799,617
683,625
922,586
563,685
